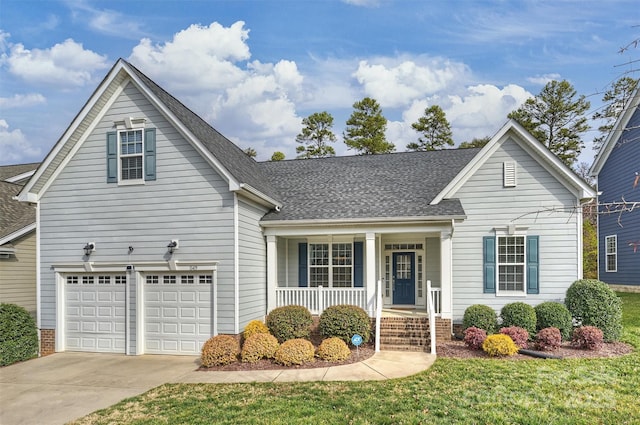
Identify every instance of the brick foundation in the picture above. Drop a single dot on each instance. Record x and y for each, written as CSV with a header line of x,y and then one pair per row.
x,y
47,341
443,329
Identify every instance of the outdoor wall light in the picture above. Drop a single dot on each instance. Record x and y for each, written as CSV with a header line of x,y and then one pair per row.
x,y
89,248
173,245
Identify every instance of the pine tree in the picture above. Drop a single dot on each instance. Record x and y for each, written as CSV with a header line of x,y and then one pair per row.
x,y
365,131
315,134
435,130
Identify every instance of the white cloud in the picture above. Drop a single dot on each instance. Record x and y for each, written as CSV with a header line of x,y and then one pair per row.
x,y
365,3
64,65
397,82
542,80
106,21
14,146
22,100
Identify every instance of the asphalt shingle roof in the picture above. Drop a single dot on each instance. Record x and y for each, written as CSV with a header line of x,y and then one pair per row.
x,y
368,186
241,166
14,215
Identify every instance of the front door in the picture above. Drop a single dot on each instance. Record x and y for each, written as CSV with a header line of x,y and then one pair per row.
x,y
404,288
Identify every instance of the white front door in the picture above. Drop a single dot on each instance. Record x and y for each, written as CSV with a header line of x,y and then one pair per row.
x,y
178,312
95,312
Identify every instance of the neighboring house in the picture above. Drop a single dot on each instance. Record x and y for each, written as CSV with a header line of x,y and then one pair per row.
x,y
617,170
157,232
17,239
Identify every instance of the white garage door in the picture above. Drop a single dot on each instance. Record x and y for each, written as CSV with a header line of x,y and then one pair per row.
x,y
177,313
95,313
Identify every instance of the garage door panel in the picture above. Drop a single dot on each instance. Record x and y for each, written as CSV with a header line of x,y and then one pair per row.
x,y
177,313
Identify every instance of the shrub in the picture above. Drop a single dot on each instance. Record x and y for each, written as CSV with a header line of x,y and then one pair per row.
x,y
593,303
289,322
259,346
480,316
548,339
554,315
344,321
521,315
254,327
499,345
295,352
220,350
18,335
587,337
474,337
518,335
333,350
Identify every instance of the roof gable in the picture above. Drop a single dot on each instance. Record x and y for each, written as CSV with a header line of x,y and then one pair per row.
x,y
514,131
241,171
617,133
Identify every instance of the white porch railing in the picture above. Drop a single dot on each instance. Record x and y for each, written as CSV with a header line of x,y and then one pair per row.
x,y
318,299
436,297
432,316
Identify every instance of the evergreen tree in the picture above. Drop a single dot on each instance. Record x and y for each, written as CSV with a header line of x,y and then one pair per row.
x,y
251,152
615,100
315,134
365,131
277,156
435,130
475,143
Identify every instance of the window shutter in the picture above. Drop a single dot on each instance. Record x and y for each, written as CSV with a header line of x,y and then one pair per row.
x,y
112,157
489,257
150,154
358,265
533,265
302,264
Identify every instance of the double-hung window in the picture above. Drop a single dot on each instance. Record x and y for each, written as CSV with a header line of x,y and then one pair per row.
x,y
511,263
131,154
331,265
611,253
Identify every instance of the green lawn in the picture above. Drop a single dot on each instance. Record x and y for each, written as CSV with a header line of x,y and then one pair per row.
x,y
479,391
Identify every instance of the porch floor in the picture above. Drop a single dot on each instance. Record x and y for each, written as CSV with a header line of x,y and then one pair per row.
x,y
404,312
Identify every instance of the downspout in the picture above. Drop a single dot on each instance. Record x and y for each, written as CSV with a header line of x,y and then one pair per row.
x,y
38,280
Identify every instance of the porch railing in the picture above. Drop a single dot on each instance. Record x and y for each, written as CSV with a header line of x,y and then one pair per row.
x,y
436,298
432,316
318,299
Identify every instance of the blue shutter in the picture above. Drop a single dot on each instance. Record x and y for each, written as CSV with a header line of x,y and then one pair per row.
x,y
112,157
533,265
489,257
302,264
358,265
150,154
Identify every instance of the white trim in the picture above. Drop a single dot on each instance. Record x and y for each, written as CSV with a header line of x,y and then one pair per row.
x,y
511,293
21,176
374,221
140,315
579,247
272,271
615,133
446,274
18,233
607,253
61,308
236,265
381,228
142,266
547,159
369,272
38,278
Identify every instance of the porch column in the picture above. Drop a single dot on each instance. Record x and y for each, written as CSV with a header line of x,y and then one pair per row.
x,y
446,272
272,272
370,273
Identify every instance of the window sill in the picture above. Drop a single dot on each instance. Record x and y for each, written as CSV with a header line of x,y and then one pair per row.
x,y
511,294
131,183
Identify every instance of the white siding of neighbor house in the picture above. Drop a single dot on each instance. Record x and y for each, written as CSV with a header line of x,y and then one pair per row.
x,y
252,263
18,274
488,204
189,201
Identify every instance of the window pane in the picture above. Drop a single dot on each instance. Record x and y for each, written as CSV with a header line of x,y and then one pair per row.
x,y
511,278
318,276
341,254
131,168
342,277
319,254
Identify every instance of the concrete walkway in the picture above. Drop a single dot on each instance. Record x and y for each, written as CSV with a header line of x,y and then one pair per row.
x,y
65,386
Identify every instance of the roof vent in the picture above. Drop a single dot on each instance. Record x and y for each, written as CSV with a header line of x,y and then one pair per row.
x,y
509,169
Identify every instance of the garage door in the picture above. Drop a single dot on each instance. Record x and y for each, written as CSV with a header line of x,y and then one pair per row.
x,y
95,313
177,313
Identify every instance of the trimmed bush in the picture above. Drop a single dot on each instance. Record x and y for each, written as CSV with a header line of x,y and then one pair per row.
x,y
220,350
480,316
474,337
333,350
295,352
554,315
548,339
519,314
344,321
587,337
499,345
289,322
593,303
254,327
18,335
259,346
520,336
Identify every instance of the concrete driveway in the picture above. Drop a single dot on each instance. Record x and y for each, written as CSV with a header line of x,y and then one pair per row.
x,y
65,386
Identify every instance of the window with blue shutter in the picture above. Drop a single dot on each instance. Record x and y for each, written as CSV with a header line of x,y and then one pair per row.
x,y
489,264
533,265
302,264
131,155
358,265
150,154
112,157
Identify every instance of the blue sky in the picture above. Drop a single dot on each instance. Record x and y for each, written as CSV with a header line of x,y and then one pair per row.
x,y
254,69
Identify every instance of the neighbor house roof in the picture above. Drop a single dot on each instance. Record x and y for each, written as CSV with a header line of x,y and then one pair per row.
x,y
399,185
16,218
17,173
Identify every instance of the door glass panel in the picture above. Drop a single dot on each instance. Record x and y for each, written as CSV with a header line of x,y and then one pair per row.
x,y
403,266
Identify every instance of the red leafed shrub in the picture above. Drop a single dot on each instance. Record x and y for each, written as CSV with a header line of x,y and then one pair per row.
x,y
587,337
519,335
548,339
474,337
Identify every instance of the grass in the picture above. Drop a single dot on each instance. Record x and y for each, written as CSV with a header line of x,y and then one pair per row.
x,y
473,391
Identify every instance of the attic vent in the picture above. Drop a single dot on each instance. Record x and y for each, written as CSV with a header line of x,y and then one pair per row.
x,y
509,174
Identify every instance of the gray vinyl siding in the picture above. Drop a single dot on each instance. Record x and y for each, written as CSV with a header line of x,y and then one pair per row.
x,y
189,201
489,205
432,261
252,251
18,274
282,261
